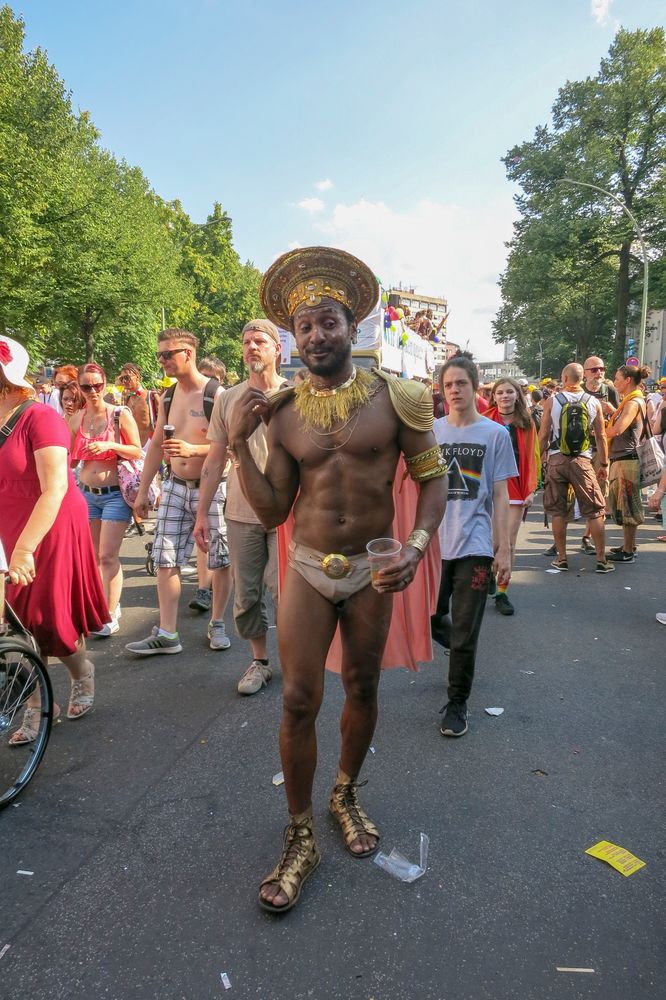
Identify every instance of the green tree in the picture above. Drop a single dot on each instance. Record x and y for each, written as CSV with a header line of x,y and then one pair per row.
x,y
225,292
92,258
573,276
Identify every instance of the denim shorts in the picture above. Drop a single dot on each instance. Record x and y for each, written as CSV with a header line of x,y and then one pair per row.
x,y
107,506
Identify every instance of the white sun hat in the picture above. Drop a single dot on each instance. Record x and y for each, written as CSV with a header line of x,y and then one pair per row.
x,y
14,362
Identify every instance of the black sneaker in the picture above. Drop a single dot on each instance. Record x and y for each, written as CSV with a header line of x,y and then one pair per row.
x,y
605,567
587,545
503,604
454,722
552,551
621,556
619,549
202,600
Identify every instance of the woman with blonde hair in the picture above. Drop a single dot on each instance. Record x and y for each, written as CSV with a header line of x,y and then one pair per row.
x,y
54,586
508,407
98,442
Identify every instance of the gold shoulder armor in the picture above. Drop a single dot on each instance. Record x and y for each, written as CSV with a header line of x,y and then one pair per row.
x,y
411,400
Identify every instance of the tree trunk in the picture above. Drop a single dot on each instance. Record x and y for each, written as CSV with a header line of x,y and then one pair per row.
x,y
623,285
88,333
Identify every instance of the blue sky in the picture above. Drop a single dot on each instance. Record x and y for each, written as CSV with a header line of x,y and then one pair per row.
x,y
374,126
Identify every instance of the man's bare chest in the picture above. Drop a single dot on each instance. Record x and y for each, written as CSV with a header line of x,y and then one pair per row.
x,y
369,435
186,413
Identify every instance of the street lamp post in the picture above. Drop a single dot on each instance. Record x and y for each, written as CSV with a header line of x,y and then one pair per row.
x,y
595,187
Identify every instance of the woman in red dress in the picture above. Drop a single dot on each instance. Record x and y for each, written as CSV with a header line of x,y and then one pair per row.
x,y
508,407
55,587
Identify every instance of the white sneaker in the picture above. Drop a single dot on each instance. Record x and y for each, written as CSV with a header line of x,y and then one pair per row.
x,y
661,618
109,629
117,614
218,635
255,677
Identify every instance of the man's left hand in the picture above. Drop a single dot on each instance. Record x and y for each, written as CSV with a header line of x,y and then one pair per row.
x,y
397,577
502,566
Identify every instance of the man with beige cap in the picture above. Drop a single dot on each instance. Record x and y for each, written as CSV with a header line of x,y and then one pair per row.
x,y
252,549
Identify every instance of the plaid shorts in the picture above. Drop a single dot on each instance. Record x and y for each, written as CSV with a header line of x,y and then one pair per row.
x,y
174,530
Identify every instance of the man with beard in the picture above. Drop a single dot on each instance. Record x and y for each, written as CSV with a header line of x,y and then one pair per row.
x,y
252,548
334,441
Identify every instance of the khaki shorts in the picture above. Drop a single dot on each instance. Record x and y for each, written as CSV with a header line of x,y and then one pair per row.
x,y
564,471
625,491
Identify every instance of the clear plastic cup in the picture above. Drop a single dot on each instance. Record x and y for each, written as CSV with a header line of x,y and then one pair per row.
x,y
382,552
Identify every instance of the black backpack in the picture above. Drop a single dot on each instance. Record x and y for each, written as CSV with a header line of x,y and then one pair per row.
x,y
574,430
208,398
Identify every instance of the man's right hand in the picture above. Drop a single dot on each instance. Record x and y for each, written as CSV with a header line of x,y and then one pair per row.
x,y
141,506
201,534
602,474
247,415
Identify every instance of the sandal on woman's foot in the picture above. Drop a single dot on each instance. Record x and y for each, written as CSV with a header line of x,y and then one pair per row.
x,y
300,857
80,700
354,823
29,728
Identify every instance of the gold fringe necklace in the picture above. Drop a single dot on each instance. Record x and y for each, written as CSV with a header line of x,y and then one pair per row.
x,y
322,408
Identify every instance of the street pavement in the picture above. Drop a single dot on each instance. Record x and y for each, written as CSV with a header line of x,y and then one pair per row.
x,y
152,821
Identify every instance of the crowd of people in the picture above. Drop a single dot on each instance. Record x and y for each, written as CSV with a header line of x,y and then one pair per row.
x,y
280,486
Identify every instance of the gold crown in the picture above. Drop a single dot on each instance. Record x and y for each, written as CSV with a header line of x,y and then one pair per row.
x,y
310,274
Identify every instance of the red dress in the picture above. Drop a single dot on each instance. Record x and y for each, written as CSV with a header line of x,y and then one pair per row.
x,y
66,599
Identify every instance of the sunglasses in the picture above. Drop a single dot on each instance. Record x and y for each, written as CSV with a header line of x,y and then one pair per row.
x,y
167,355
91,387
597,368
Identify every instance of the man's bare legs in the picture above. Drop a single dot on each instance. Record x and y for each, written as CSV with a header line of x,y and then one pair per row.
x,y
560,535
168,595
596,526
221,585
364,625
306,625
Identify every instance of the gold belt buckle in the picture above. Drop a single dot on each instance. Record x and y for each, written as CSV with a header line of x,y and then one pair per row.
x,y
336,566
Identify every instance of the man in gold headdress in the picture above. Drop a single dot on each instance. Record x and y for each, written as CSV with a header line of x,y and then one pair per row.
x,y
335,441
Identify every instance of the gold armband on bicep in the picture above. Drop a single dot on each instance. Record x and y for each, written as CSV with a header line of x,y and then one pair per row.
x,y
426,465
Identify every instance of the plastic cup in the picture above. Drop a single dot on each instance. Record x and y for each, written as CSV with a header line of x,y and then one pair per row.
x,y
382,553
169,431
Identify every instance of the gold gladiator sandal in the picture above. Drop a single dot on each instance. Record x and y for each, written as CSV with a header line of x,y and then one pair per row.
x,y
300,858
346,808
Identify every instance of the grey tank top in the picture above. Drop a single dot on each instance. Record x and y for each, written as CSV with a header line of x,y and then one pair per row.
x,y
624,445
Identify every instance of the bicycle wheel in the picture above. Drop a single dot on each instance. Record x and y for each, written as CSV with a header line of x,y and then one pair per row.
x,y
22,674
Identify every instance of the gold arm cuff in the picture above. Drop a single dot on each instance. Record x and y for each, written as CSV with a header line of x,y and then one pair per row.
x,y
427,464
419,539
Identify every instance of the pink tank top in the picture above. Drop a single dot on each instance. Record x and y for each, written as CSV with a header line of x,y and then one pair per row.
x,y
81,442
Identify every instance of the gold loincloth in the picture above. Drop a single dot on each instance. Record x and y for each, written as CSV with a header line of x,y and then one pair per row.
x,y
308,563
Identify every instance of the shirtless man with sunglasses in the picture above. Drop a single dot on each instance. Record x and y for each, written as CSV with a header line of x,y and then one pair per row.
x,y
185,451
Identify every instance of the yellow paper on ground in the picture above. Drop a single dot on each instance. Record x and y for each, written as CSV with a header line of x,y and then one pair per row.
x,y
618,857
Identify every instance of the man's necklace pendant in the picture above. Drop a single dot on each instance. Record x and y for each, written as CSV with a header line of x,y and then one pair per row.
x,y
333,390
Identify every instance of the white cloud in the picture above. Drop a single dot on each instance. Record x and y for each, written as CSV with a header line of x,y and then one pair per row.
x,y
312,205
294,245
324,185
441,249
600,9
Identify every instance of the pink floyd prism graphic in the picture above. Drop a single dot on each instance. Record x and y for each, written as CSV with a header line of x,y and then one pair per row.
x,y
465,462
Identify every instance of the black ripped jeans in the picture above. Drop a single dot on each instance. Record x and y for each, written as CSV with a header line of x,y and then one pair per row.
x,y
463,590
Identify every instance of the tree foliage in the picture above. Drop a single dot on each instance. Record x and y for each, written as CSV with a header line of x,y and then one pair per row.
x,y
92,256
574,272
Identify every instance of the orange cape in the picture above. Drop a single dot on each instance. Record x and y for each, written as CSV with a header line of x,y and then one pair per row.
x,y
409,641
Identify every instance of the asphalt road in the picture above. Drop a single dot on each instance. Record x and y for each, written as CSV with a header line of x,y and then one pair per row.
x,y
152,821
